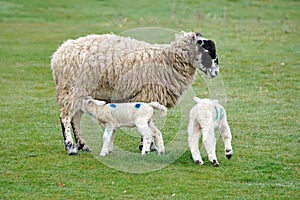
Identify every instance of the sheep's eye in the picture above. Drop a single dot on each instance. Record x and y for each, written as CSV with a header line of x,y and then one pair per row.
x,y
200,42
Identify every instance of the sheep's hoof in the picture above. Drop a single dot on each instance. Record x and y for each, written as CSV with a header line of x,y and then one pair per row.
x,y
229,156
85,148
69,146
215,163
72,151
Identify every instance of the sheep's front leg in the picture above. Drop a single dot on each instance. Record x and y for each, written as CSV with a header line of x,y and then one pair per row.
x,y
226,136
193,140
209,141
107,139
65,121
158,138
77,132
146,132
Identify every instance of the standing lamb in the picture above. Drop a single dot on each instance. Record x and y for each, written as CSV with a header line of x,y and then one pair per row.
x,y
115,115
206,116
119,69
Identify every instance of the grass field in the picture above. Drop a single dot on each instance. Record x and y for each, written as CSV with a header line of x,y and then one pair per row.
x,y
259,53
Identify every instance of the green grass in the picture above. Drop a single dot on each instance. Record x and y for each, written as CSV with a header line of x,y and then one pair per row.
x,y
258,48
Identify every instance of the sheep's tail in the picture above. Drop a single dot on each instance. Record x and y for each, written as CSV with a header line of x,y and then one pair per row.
x,y
158,106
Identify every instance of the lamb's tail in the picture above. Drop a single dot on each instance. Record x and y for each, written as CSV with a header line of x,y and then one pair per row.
x,y
196,99
158,106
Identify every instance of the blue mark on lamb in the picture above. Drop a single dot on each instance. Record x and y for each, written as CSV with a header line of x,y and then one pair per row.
x,y
112,105
221,114
138,105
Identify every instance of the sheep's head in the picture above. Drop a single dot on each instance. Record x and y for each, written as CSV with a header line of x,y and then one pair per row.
x,y
206,58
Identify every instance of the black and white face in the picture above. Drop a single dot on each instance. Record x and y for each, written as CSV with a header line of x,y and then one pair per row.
x,y
208,60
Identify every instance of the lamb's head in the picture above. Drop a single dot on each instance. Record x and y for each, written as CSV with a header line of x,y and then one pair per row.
x,y
91,105
205,56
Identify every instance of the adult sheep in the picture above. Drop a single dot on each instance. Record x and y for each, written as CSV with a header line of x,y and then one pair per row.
x,y
120,69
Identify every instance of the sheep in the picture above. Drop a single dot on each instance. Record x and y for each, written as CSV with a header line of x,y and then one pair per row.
x,y
206,116
115,115
120,69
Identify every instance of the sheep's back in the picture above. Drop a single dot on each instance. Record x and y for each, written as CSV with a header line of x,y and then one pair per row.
x,y
78,65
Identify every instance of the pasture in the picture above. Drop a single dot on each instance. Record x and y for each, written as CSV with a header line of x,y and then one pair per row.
x,y
259,54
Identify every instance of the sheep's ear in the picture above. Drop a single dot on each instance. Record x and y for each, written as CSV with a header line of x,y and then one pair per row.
x,y
196,99
198,34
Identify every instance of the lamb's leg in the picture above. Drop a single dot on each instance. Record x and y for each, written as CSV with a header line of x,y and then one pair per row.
x,y
65,121
226,136
193,140
111,144
107,137
75,123
146,132
152,145
209,141
158,138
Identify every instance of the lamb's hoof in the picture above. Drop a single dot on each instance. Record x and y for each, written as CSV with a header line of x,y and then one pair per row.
x,y
141,147
152,147
160,152
146,152
199,162
215,163
102,154
228,153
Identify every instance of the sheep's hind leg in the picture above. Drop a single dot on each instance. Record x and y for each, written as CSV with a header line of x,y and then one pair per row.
x,y
80,142
68,140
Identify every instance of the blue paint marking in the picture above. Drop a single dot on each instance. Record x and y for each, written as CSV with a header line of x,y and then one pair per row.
x,y
112,105
221,113
138,105
216,113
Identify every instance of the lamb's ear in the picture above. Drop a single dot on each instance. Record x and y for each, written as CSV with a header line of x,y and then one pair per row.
x,y
99,103
90,101
196,99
